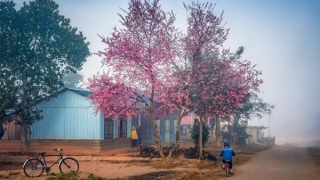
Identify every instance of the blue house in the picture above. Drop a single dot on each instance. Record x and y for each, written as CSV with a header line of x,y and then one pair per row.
x,y
69,122
70,116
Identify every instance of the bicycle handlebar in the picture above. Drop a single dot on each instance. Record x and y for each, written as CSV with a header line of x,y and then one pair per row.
x,y
57,149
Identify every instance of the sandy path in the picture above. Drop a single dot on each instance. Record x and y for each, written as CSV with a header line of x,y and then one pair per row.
x,y
280,163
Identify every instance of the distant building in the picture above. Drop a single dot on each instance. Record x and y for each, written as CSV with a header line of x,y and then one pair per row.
x,y
255,134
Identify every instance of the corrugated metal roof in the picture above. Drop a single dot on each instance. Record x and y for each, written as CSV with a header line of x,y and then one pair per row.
x,y
81,91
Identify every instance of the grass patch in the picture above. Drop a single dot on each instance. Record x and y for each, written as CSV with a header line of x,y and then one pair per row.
x,y
167,164
178,175
153,175
205,164
94,177
61,176
190,176
314,152
75,176
200,176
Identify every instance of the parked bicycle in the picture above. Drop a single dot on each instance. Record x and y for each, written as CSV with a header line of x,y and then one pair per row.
x,y
37,165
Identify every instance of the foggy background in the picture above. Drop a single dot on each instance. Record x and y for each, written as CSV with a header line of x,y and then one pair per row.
x,y
281,37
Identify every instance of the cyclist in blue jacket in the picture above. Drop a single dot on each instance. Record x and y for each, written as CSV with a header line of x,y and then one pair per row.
x,y
227,152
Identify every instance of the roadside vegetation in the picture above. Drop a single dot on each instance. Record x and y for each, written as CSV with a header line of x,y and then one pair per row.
x,y
314,152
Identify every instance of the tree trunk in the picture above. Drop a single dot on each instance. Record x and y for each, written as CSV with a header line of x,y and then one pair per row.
x,y
177,144
25,127
235,124
25,137
218,133
229,129
200,136
232,135
229,126
155,130
216,130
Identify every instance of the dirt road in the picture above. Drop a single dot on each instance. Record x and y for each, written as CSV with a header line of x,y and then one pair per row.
x,y
279,163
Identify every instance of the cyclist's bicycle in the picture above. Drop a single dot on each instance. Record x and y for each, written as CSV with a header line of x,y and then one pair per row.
x,y
227,167
37,165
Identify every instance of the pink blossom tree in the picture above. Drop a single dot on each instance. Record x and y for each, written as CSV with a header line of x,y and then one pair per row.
x,y
204,35
140,55
218,81
210,83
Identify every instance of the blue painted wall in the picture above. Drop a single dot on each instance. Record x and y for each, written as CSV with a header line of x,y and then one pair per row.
x,y
68,116
115,128
129,125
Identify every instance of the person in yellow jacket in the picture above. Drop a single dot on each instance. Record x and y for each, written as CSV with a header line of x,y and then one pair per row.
x,y
134,137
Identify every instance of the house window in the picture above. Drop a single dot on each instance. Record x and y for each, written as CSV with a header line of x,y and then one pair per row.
x,y
123,127
135,122
108,128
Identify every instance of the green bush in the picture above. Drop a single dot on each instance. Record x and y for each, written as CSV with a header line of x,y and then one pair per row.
x,y
240,130
195,133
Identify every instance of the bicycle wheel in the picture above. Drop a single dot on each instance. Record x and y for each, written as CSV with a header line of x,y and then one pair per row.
x,y
227,169
68,164
33,168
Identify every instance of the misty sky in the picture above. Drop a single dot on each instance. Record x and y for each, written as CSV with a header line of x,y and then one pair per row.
x,y
281,37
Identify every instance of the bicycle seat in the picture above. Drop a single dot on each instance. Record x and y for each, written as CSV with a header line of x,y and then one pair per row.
x,y
42,153
227,161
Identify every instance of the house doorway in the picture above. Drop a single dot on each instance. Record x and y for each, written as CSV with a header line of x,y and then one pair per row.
x,y
108,128
122,127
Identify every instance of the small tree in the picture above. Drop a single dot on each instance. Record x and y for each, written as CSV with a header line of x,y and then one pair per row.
x,y
195,133
241,133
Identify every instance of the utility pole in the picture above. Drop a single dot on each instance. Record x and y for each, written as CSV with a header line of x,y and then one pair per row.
x,y
269,127
319,129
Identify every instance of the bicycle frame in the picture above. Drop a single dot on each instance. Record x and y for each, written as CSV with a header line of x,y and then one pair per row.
x,y
45,163
227,166
43,159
